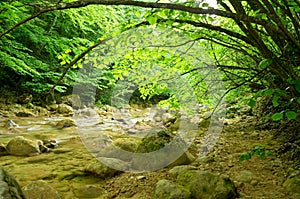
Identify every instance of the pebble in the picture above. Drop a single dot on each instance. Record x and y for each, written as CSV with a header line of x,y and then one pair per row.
x,y
141,177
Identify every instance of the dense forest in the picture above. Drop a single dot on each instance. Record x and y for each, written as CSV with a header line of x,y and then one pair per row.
x,y
238,58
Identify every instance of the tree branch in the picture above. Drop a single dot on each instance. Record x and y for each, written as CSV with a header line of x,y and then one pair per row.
x,y
172,6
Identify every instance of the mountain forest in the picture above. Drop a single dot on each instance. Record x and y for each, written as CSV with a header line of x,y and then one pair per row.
x,y
150,99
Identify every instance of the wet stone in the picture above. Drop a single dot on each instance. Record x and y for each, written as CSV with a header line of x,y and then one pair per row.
x,y
40,190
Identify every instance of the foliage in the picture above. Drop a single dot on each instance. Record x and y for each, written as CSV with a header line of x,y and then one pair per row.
x,y
255,45
34,56
256,150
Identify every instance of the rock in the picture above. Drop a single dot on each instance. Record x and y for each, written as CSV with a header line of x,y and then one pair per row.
x,y
244,176
168,118
51,144
206,115
175,126
254,182
141,177
25,99
12,127
168,150
9,187
72,100
108,108
206,185
113,151
42,147
65,109
204,123
175,171
88,191
165,189
87,111
155,140
14,130
41,190
21,146
41,111
3,150
127,144
292,185
11,124
52,107
103,171
25,113
65,123
245,110
184,159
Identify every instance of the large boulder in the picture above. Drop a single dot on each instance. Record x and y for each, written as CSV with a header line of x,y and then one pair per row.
x,y
40,190
206,185
166,189
9,187
65,109
161,148
21,146
157,139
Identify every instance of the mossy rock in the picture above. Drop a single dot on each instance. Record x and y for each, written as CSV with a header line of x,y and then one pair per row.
x,y
292,185
206,185
165,189
67,122
156,140
160,149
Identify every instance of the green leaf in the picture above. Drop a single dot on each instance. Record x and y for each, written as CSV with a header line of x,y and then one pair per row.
x,y
252,103
291,115
245,156
265,63
269,92
152,20
297,86
275,100
264,16
298,100
137,13
277,116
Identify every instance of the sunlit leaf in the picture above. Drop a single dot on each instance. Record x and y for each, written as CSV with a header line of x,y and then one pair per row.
x,y
152,20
